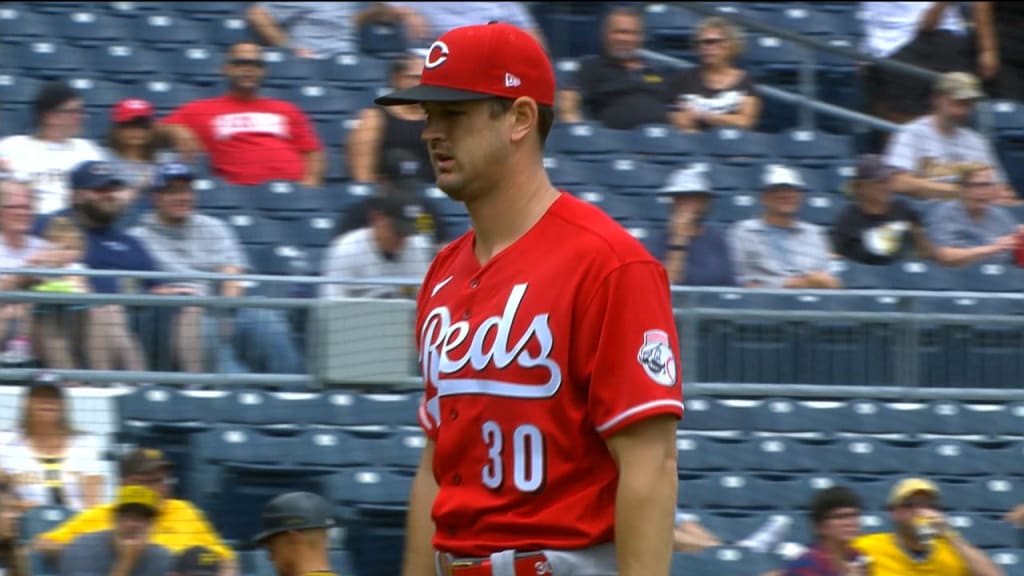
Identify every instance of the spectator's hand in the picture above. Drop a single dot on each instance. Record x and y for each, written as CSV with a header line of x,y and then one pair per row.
x,y
1005,244
988,64
173,290
1016,516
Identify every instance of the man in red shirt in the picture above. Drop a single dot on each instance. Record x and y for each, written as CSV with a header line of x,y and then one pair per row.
x,y
250,139
547,344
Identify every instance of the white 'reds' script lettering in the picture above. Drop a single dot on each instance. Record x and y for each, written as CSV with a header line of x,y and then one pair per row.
x,y
227,125
441,340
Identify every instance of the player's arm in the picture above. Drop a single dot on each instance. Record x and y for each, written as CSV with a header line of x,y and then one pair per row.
x,y
418,558
646,458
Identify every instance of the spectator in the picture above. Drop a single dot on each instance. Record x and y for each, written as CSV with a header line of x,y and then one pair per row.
x,y
973,228
876,228
316,29
196,561
134,145
401,179
776,250
1008,20
921,542
178,525
102,330
43,159
425,21
390,128
47,462
388,247
618,88
716,93
250,139
124,550
930,151
690,536
835,521
931,35
183,241
695,253
12,559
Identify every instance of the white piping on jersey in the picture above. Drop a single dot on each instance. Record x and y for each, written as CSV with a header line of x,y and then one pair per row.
x,y
430,413
440,285
457,386
636,409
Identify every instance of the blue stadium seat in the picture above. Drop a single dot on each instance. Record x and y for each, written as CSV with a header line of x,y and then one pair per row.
x,y
623,172
989,277
1011,422
355,410
565,171
868,456
356,71
858,276
807,21
729,208
55,7
16,89
983,531
151,406
785,416
615,205
1010,560
125,63
872,417
382,40
777,455
17,25
404,450
953,418
255,563
736,146
278,196
166,31
1007,118
50,60
322,100
166,96
255,229
820,209
216,194
224,32
372,492
916,275
669,27
733,179
194,64
773,60
88,28
873,492
810,148
209,10
285,69
285,259
706,414
313,231
584,140
661,143
40,519
951,457
699,454
264,410
735,492
992,494
566,71
322,450
100,95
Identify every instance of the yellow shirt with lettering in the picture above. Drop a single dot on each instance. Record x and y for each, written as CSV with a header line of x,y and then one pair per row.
x,y
179,526
888,558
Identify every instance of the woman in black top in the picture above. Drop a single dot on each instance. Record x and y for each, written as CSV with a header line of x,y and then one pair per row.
x,y
716,93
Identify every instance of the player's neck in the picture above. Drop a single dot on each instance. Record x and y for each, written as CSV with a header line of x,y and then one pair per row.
x,y
312,561
503,216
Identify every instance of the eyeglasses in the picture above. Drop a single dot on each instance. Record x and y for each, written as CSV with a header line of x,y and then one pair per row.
x,y
72,110
247,62
843,515
711,41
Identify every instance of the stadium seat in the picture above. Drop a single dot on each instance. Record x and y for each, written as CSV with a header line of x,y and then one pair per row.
x,y
17,25
40,519
371,492
820,209
728,208
992,494
1007,118
382,40
277,196
699,454
216,194
989,277
566,72
954,418
262,410
166,31
586,141
224,32
165,95
209,10
285,259
806,21
194,64
949,457
49,60
785,416
16,89
916,275
858,276
564,171
734,146
1010,560
777,455
869,456
404,450
875,418
707,414
124,62
356,71
255,230
810,148
328,451
100,95
255,563
661,143
1011,422
735,492
312,231
774,60
983,531
873,492
88,28
286,70
322,100
355,410
623,172
668,27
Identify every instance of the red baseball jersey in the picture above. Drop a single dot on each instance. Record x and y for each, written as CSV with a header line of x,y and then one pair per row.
x,y
530,362
250,141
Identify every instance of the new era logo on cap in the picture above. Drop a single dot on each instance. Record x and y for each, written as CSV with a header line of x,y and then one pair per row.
x,y
511,80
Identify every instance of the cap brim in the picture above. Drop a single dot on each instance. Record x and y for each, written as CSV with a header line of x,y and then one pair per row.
x,y
425,93
262,537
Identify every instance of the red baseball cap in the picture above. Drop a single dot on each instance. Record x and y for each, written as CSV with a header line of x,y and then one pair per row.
x,y
479,62
132,109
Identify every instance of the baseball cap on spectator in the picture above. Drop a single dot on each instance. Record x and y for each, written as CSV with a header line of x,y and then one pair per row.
x,y
908,487
686,181
401,209
494,60
779,176
46,384
132,109
959,86
399,164
197,561
166,173
144,461
95,175
137,500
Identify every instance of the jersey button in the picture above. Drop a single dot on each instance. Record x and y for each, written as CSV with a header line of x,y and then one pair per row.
x,y
465,315
474,283
453,414
457,480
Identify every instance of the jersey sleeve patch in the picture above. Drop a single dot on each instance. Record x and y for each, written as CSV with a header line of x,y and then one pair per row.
x,y
657,359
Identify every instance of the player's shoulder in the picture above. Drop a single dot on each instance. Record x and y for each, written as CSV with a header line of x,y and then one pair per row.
x,y
592,230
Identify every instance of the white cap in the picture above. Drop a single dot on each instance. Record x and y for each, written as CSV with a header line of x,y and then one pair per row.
x,y
686,181
779,175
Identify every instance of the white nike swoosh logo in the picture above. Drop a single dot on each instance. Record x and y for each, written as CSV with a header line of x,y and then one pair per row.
x,y
441,284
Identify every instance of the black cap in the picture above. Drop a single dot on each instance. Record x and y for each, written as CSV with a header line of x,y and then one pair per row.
x,y
400,164
144,461
402,209
46,384
197,561
293,511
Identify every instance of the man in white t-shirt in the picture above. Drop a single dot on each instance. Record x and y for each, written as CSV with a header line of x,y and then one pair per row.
x,y
43,159
387,247
931,152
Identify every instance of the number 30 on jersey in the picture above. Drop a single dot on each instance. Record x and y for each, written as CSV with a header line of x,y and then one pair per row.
x,y
527,457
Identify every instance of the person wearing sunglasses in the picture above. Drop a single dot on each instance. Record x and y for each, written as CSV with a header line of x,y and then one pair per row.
x,y
717,92
922,541
250,139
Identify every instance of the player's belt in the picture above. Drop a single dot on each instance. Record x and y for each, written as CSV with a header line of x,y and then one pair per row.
x,y
525,564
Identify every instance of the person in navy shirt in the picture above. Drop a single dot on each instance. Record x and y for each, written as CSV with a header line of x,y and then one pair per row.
x,y
694,253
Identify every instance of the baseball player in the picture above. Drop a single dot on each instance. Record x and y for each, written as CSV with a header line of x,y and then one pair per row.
x,y
294,532
547,345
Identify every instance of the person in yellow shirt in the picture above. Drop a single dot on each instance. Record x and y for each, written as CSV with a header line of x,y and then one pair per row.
x,y
922,543
179,525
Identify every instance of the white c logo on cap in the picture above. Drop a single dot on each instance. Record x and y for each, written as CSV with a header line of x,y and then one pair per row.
x,y
437,55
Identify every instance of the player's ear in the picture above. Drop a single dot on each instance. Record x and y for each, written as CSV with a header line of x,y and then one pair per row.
x,y
524,118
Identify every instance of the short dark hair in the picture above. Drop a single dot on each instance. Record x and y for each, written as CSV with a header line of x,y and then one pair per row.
x,y
52,96
830,499
545,116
